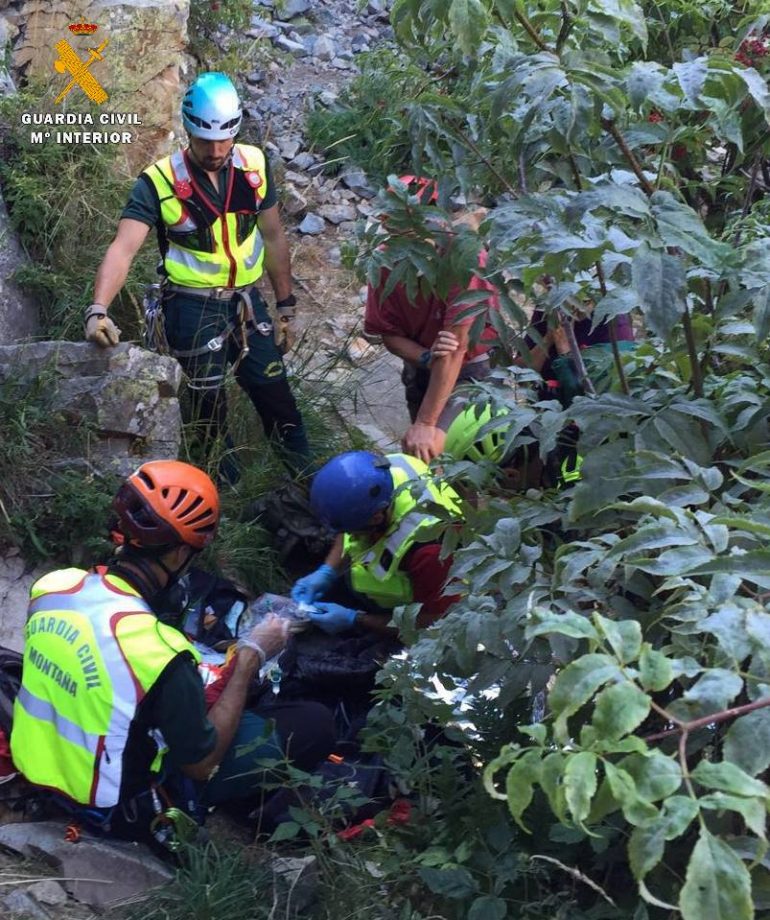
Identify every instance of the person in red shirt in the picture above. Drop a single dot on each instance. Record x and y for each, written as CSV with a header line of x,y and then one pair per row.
x,y
432,338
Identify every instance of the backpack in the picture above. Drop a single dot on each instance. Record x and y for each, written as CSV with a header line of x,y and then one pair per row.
x,y
10,683
285,513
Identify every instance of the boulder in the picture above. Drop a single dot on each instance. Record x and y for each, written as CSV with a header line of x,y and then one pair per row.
x,y
128,396
325,48
96,871
337,213
292,8
15,582
312,225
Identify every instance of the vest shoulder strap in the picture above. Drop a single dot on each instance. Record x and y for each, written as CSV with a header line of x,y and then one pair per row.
x,y
60,580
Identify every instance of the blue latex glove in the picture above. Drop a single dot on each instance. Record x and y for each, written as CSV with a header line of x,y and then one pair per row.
x,y
333,618
305,590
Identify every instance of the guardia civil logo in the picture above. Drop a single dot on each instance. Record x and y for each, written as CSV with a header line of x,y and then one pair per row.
x,y
78,70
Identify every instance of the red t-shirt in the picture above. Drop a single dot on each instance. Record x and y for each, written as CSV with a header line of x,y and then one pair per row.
x,y
422,319
428,574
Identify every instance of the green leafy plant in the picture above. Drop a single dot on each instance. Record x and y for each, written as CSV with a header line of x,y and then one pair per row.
x,y
620,622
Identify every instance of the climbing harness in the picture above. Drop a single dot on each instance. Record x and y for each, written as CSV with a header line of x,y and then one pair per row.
x,y
238,328
154,334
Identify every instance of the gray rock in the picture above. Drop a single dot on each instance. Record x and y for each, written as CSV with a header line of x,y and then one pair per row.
x,y
312,225
292,8
334,256
289,148
296,880
20,904
295,48
325,48
255,77
355,179
377,8
341,64
126,394
261,28
294,203
359,43
309,41
15,582
100,872
302,161
48,891
337,213
327,97
296,178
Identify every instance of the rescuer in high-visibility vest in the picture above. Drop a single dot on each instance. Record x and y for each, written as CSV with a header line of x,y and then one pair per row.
x,y
111,703
214,208
386,512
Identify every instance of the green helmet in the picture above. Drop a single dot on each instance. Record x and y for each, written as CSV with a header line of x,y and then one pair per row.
x,y
466,441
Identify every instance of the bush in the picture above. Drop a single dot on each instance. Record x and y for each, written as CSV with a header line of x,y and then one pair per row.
x,y
611,644
64,202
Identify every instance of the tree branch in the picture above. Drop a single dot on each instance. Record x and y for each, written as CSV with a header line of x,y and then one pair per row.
x,y
531,30
694,724
628,153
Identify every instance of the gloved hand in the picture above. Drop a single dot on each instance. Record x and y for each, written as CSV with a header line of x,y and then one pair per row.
x,y
267,638
305,590
286,329
100,328
333,618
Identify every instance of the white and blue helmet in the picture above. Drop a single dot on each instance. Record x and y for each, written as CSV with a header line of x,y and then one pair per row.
x,y
211,108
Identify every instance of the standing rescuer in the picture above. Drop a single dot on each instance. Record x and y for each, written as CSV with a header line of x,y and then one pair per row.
x,y
214,207
111,701
383,511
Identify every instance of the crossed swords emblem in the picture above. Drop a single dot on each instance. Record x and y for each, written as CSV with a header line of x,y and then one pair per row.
x,y
70,62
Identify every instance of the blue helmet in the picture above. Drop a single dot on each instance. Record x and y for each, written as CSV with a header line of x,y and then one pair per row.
x,y
350,489
211,108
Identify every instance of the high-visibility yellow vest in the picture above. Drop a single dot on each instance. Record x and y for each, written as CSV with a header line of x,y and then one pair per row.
x,y
92,651
203,245
375,568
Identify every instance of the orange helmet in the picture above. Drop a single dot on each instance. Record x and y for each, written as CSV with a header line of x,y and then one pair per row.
x,y
425,189
166,503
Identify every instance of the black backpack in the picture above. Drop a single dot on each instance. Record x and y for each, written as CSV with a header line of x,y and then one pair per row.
x,y
285,513
10,683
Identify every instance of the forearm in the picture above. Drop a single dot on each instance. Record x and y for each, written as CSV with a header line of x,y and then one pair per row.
x,y
404,348
225,714
443,378
111,275
336,553
278,264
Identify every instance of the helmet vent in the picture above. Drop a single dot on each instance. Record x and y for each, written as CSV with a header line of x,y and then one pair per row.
x,y
199,122
147,480
196,503
181,495
375,491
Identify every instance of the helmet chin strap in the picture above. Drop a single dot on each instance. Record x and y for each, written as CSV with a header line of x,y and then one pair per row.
x,y
141,568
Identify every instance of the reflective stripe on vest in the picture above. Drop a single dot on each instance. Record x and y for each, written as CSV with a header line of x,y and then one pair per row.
x,y
93,649
230,264
570,468
375,569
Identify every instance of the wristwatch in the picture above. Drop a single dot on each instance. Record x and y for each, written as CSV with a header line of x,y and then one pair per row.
x,y
424,359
